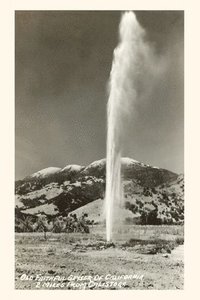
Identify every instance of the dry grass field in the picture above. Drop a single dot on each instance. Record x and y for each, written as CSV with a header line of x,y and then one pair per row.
x,y
150,257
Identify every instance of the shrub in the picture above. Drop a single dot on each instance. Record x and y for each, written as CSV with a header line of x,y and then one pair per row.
x,y
24,224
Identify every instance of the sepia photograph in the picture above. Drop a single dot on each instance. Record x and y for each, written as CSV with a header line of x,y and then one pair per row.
x,y
99,150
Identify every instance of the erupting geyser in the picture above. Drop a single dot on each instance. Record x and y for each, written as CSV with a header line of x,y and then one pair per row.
x,y
125,71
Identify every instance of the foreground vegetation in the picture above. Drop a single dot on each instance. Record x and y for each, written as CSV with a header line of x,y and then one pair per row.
x,y
59,224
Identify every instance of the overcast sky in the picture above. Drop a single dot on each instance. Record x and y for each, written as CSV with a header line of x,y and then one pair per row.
x,y
63,61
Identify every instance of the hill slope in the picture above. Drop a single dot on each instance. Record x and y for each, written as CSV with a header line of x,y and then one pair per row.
x,y
151,194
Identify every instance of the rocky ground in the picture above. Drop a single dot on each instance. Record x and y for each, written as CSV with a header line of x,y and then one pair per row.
x,y
142,257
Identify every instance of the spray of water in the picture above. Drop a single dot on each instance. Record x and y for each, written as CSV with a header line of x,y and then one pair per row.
x,y
128,58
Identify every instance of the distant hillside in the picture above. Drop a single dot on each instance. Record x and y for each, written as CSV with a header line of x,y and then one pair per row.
x,y
151,194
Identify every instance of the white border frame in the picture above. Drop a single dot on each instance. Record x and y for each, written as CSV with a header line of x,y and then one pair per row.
x,y
192,150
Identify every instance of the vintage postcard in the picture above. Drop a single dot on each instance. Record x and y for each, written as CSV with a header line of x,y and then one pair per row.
x,y
99,166
99,150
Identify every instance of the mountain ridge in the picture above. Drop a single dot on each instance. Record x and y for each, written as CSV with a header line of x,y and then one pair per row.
x,y
60,191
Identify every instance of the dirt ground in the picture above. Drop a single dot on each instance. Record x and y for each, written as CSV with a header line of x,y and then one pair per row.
x,y
142,257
